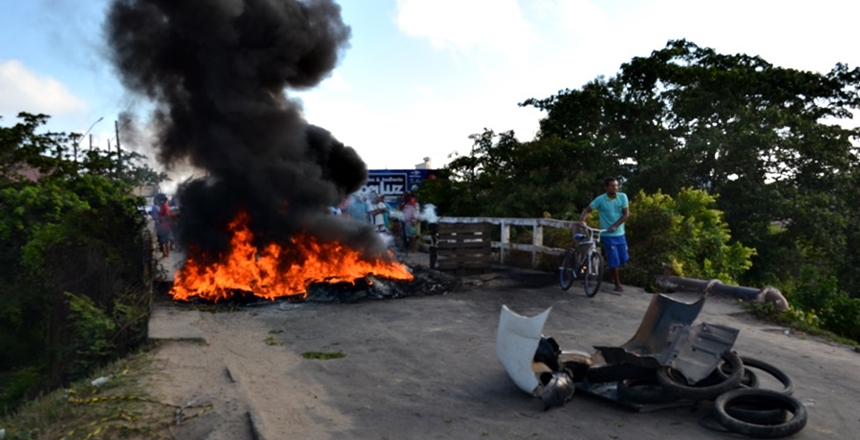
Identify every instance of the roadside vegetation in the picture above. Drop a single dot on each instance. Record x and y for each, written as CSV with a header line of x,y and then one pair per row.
x,y
736,169
77,263
112,402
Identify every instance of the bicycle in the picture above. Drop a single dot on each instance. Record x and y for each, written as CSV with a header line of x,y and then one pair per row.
x,y
583,261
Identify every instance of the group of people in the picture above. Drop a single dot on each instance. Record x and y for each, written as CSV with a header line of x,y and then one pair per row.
x,y
373,209
370,209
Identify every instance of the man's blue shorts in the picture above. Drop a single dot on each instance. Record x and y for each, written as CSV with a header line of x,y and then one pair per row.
x,y
615,250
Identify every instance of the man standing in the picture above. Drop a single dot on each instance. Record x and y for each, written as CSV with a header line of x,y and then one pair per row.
x,y
613,210
376,211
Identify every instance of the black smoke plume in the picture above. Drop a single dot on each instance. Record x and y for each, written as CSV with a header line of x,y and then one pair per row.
x,y
217,71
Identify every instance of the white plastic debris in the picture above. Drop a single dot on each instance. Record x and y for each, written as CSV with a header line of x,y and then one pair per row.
x,y
101,381
516,342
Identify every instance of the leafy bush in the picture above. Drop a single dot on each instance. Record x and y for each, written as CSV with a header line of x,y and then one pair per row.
x,y
93,330
841,315
685,236
818,293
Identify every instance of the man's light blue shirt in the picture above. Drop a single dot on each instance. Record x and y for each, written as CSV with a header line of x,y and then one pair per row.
x,y
609,211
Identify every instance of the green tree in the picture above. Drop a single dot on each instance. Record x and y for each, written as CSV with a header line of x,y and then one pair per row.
x,y
763,137
71,232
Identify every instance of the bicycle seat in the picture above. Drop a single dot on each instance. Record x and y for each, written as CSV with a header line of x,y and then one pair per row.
x,y
579,236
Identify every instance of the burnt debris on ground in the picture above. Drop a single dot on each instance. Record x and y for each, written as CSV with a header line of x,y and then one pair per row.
x,y
426,282
668,363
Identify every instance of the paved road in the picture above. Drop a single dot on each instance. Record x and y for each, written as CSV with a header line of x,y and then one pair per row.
x,y
425,367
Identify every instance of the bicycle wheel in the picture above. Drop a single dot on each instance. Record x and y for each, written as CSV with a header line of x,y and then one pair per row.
x,y
593,274
566,273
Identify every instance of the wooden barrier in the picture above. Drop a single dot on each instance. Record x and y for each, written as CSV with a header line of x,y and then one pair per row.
x,y
465,247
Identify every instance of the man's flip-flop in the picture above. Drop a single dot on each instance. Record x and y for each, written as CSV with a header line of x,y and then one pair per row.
x,y
619,289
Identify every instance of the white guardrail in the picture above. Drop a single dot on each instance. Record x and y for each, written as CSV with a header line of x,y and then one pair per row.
x,y
504,246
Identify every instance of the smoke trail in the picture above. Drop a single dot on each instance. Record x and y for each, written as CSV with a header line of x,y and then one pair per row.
x,y
216,71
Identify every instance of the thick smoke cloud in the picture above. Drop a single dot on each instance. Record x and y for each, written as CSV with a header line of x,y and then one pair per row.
x,y
216,71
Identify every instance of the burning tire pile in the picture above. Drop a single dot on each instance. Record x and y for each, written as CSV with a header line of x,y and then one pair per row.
x,y
669,363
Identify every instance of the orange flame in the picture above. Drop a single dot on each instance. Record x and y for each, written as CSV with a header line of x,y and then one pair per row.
x,y
250,269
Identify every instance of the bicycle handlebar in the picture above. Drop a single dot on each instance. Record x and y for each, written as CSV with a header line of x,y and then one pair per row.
x,y
592,232
590,229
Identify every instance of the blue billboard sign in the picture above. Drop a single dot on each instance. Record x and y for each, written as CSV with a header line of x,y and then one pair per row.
x,y
393,183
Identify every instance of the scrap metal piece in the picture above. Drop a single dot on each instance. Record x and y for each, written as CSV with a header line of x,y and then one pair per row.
x,y
666,338
609,391
517,341
695,350
575,362
558,389
652,336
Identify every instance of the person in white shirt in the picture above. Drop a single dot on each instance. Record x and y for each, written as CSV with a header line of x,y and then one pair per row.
x,y
377,210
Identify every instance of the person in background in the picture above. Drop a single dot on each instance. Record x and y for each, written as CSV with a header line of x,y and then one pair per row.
x,y
162,225
376,211
614,209
357,208
409,207
153,211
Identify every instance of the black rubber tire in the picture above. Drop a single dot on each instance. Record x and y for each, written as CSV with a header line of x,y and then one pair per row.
x,y
593,274
565,272
765,399
752,413
748,380
644,390
750,362
673,381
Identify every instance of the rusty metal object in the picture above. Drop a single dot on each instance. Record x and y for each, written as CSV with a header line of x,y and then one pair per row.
x,y
764,295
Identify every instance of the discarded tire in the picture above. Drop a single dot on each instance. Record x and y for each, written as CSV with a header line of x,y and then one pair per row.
x,y
764,399
748,380
749,362
676,385
645,390
754,413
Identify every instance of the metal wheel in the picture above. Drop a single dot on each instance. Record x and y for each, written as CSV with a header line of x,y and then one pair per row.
x,y
566,273
593,274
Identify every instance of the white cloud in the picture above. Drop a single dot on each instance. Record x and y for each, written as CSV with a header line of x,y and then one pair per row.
x,y
582,17
24,90
463,25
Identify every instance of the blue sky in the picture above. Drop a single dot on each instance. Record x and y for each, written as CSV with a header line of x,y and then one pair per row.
x,y
420,76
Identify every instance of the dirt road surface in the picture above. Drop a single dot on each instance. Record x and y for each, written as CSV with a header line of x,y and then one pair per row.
x,y
425,367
